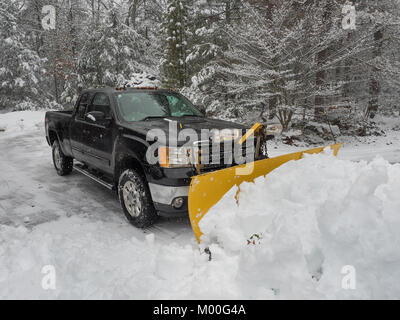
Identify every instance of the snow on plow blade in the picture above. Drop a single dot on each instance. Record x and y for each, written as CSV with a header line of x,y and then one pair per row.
x,y
209,188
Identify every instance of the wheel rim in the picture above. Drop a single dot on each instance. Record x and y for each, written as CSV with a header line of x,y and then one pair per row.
x,y
57,158
132,199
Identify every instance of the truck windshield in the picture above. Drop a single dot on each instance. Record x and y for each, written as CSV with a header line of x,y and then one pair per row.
x,y
139,106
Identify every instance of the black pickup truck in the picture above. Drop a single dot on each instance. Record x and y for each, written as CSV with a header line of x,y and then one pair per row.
x,y
109,135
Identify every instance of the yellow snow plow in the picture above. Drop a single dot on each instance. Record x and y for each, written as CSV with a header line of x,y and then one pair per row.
x,y
209,188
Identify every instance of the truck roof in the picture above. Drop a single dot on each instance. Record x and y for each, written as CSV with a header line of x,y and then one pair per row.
x,y
127,89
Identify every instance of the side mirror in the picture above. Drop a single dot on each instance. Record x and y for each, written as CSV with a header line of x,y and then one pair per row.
x,y
95,116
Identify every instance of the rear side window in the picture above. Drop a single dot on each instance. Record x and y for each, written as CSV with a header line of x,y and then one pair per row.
x,y
100,102
82,106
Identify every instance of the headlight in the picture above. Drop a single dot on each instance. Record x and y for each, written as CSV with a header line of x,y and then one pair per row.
x,y
176,157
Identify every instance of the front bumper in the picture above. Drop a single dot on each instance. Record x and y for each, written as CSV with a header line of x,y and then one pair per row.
x,y
163,197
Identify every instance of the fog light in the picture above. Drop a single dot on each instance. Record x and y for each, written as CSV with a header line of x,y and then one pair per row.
x,y
178,203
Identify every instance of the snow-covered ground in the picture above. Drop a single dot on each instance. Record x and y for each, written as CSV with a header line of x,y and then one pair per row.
x,y
314,217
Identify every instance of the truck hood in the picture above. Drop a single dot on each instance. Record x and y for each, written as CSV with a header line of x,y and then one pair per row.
x,y
194,123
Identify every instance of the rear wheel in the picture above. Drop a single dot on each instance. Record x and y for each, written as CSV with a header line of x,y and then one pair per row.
x,y
134,196
62,163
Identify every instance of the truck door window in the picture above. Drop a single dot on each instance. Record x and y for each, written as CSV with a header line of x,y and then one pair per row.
x,y
82,106
100,102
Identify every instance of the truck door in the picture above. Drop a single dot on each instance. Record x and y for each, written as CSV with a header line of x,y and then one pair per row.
x,y
99,133
77,129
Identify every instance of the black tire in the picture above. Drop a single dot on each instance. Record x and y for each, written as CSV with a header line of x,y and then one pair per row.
x,y
134,196
62,163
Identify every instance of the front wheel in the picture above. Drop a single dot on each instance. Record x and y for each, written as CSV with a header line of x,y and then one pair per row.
x,y
134,196
62,163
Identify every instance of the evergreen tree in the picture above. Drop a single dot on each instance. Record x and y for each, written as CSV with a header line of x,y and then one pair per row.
x,y
113,53
298,59
175,32
20,67
207,47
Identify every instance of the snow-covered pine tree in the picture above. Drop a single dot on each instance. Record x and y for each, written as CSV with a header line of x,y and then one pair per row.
x,y
174,29
206,48
58,47
206,39
295,57
113,53
20,67
384,56
71,29
145,16
388,63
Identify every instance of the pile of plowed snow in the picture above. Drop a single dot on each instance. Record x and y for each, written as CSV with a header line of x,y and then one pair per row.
x,y
314,228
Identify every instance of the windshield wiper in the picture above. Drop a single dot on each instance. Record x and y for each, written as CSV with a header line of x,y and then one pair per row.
x,y
166,116
154,117
191,115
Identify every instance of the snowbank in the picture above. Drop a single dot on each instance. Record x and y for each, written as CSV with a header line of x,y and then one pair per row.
x,y
308,220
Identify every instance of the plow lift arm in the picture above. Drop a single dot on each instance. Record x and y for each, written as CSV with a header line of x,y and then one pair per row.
x,y
208,189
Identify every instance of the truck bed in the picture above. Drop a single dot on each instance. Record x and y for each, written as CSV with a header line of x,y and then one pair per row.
x,y
59,113
58,122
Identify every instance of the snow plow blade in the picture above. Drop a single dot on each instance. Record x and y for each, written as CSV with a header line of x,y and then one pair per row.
x,y
209,188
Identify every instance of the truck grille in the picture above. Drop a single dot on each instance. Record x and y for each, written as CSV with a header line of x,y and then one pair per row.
x,y
219,156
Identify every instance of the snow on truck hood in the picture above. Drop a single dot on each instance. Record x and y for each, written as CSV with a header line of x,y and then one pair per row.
x,y
194,123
